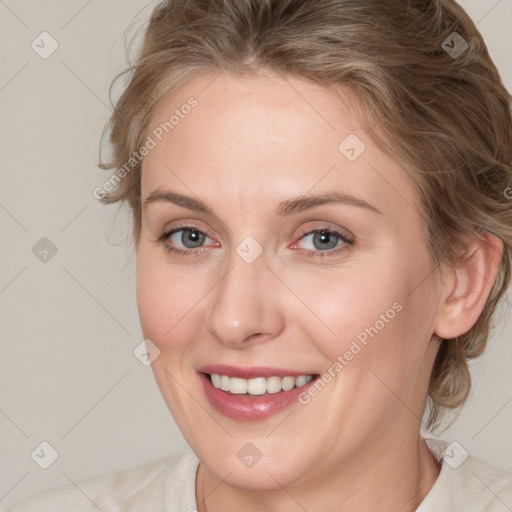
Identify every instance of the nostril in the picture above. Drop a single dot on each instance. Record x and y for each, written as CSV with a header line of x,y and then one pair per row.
x,y
252,337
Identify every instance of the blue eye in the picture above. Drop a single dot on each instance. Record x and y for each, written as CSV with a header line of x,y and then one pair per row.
x,y
323,240
190,238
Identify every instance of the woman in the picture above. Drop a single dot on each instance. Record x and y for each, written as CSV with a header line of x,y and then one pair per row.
x,y
323,232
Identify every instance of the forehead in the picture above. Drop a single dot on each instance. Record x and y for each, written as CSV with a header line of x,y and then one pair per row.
x,y
260,139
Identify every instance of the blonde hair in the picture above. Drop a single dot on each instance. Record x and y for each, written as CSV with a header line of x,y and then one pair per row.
x,y
436,106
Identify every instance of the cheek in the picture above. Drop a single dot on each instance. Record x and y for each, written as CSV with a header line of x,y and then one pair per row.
x,y
346,304
371,312
151,301
164,299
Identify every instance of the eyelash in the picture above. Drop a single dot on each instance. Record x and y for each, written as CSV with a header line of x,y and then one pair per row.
x,y
197,252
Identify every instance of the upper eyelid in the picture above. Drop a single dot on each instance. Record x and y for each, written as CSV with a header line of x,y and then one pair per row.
x,y
170,231
345,239
345,233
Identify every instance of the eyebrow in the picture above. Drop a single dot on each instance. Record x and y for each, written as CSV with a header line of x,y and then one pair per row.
x,y
302,203
284,208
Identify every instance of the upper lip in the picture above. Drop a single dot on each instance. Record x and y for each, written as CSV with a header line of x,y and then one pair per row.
x,y
250,372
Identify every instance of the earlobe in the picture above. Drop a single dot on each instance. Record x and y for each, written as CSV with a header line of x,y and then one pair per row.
x,y
472,284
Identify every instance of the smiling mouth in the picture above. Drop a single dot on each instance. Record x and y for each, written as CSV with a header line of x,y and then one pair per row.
x,y
257,386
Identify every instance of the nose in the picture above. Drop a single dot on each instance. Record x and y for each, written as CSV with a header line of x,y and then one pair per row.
x,y
245,307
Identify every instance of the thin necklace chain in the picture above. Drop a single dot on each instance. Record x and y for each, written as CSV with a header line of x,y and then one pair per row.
x,y
203,499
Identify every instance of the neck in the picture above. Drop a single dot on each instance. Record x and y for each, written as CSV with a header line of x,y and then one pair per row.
x,y
396,475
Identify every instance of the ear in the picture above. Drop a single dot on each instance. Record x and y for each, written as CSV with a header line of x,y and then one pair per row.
x,y
471,284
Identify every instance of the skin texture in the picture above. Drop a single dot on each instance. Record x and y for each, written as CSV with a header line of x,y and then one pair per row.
x,y
249,144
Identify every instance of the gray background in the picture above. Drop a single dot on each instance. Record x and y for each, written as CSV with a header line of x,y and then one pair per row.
x,y
69,325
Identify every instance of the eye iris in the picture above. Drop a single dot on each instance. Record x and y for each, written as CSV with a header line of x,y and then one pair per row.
x,y
327,240
196,238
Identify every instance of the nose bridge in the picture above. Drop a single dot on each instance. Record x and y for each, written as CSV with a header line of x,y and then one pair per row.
x,y
244,306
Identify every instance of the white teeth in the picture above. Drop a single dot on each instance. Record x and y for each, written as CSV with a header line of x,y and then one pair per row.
x,y
301,380
273,384
238,386
258,385
224,383
288,383
216,380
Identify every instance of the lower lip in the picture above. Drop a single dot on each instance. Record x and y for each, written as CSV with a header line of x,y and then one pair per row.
x,y
250,407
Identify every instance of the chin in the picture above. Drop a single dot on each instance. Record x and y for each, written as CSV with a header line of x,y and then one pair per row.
x,y
267,474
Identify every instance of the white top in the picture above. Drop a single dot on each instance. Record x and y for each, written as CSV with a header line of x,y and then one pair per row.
x,y
465,484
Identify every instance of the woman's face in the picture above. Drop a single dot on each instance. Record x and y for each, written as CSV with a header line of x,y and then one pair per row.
x,y
275,244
